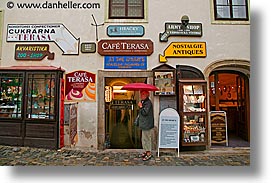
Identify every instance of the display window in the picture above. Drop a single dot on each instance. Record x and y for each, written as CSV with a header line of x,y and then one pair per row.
x,y
41,94
11,95
193,112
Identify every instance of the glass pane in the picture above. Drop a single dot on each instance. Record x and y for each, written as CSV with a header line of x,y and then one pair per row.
x,y
11,95
117,8
222,2
238,2
223,12
135,11
239,12
41,96
135,8
194,128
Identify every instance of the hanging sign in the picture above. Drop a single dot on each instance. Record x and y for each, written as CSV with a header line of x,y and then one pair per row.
x,y
56,33
35,52
169,125
125,62
178,29
80,85
125,47
125,30
184,49
218,122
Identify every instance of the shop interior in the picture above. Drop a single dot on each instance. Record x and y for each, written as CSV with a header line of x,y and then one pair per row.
x,y
229,92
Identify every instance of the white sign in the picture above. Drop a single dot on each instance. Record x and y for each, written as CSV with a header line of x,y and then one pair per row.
x,y
57,33
169,129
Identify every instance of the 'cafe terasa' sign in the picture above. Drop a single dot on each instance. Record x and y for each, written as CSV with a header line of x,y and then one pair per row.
x,y
125,47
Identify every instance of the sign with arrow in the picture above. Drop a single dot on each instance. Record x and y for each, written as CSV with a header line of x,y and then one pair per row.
x,y
177,29
56,33
184,49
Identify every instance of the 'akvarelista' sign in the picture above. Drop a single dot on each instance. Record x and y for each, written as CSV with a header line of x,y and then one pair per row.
x,y
125,62
184,49
125,30
35,52
57,33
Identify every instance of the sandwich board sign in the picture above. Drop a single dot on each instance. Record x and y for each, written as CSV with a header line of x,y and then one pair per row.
x,y
169,125
218,127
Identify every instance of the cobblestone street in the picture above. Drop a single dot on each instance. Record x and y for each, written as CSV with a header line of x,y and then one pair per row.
x,y
25,156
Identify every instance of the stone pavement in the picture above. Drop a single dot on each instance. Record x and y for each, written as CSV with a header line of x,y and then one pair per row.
x,y
26,156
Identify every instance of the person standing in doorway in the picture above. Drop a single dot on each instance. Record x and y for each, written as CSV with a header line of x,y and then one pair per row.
x,y
146,124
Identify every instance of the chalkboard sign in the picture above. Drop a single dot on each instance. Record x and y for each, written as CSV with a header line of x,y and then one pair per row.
x,y
218,127
169,121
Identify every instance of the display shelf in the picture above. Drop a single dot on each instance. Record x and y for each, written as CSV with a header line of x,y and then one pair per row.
x,y
193,112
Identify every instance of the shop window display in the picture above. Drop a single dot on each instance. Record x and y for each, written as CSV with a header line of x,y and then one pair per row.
x,y
41,93
193,113
11,95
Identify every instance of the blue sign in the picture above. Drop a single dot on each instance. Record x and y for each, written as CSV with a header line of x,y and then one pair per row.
x,y
125,62
125,30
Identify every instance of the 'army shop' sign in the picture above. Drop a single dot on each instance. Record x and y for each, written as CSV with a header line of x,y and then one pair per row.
x,y
178,29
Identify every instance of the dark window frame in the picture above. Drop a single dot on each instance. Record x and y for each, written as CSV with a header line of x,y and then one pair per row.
x,y
231,6
126,7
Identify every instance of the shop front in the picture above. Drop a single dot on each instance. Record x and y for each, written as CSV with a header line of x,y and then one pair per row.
x,y
118,109
31,106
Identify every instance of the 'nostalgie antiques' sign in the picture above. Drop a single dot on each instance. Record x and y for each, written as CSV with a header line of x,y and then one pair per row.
x,y
125,62
218,127
125,47
184,49
34,52
80,85
56,33
169,125
125,30
178,29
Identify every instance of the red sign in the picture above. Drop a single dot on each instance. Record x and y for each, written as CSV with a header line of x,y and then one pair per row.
x,y
80,85
125,47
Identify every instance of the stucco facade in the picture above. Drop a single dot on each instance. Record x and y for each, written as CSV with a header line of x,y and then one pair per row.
x,y
227,46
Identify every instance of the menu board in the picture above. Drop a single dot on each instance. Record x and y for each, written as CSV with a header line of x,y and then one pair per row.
x,y
169,121
218,127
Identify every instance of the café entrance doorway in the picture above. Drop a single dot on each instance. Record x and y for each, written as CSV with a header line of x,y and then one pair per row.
x,y
229,92
120,113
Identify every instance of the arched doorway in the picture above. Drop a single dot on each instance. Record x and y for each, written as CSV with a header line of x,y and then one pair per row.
x,y
229,92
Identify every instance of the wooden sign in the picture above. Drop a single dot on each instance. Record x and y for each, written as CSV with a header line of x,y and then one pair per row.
x,y
34,52
177,29
218,122
169,125
125,47
184,49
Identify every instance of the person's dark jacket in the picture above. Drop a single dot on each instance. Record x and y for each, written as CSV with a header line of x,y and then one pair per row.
x,y
146,115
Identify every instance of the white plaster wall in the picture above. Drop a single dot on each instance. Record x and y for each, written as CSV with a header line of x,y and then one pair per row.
x,y
223,41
